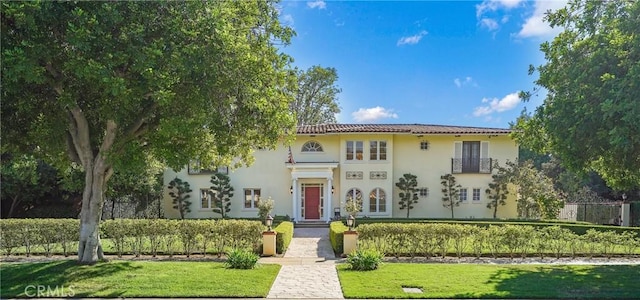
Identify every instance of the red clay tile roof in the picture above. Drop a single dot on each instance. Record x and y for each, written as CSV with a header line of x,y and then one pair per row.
x,y
397,128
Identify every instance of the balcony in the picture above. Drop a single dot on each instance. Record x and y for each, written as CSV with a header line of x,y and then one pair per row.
x,y
471,166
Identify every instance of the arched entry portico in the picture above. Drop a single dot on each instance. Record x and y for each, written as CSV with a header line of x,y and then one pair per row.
x,y
311,187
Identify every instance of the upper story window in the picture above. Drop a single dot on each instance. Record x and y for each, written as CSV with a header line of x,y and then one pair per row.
x,y
377,150
476,194
424,145
355,150
312,146
471,157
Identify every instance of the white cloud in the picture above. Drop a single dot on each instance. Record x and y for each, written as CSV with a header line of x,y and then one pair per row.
x,y
535,26
366,115
287,20
489,23
460,82
508,102
411,40
319,4
493,5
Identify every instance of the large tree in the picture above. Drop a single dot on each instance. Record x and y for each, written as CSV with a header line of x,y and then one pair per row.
x,y
589,118
316,98
108,83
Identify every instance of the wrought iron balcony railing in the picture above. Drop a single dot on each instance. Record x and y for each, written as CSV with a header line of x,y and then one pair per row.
x,y
466,165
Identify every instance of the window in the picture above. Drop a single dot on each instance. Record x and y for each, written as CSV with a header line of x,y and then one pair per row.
x,y
471,157
424,145
312,146
251,198
378,150
476,195
463,195
354,150
195,167
423,192
377,200
355,194
206,199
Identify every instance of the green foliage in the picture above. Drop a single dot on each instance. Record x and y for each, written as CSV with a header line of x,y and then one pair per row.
x,y
179,190
353,206
450,192
316,98
108,84
336,236
284,235
264,208
20,181
221,192
498,190
537,197
408,196
44,233
591,75
365,260
241,259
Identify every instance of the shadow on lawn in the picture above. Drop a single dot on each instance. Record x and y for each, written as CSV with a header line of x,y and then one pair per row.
x,y
17,278
576,282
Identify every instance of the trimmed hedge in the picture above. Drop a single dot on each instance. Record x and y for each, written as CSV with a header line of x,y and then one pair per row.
x,y
135,236
441,239
284,234
336,235
579,228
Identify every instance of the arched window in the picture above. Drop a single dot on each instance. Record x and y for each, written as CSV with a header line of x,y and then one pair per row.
x,y
354,195
377,200
312,146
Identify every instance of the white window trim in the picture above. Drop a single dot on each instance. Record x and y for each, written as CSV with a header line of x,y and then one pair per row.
x,y
479,195
209,200
311,152
466,193
386,147
377,211
354,152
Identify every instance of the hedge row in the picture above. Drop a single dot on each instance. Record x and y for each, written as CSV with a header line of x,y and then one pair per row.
x,y
136,236
440,239
284,234
46,233
336,235
579,228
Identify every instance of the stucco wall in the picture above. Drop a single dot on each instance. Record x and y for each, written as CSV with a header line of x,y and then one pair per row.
x,y
271,175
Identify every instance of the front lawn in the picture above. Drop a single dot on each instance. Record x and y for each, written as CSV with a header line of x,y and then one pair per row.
x,y
135,279
492,281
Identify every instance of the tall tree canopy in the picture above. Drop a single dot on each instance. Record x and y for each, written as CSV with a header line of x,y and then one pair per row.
x,y
108,83
316,99
592,74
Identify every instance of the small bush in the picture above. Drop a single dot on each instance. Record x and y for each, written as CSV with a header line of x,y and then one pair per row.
x,y
284,235
336,235
365,260
241,259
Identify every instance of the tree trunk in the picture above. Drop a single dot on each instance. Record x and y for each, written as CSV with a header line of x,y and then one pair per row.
x,y
495,211
90,248
14,203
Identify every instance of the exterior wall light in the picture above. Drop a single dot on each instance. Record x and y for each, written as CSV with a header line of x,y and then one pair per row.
x,y
268,221
351,222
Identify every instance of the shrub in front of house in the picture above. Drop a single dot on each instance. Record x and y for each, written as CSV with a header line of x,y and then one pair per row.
x,y
365,259
336,236
241,259
284,234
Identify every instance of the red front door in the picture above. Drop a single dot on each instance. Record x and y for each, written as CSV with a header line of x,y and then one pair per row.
x,y
312,202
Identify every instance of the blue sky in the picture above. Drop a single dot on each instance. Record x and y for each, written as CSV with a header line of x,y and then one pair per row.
x,y
432,62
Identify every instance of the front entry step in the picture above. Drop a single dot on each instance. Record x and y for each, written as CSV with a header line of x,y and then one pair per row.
x,y
311,224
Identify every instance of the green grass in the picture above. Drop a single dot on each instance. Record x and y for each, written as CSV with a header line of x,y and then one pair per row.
x,y
137,279
492,281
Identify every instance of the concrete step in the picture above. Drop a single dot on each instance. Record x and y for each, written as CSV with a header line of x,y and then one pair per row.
x,y
311,224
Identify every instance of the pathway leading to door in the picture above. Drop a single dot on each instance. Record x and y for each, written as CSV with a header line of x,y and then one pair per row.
x,y
308,267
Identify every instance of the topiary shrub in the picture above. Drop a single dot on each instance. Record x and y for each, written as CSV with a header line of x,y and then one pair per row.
x,y
241,259
365,260
336,235
284,234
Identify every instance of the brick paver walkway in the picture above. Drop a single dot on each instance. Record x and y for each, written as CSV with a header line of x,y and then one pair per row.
x,y
308,269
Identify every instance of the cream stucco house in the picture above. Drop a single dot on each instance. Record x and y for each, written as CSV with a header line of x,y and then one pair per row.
x,y
328,163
